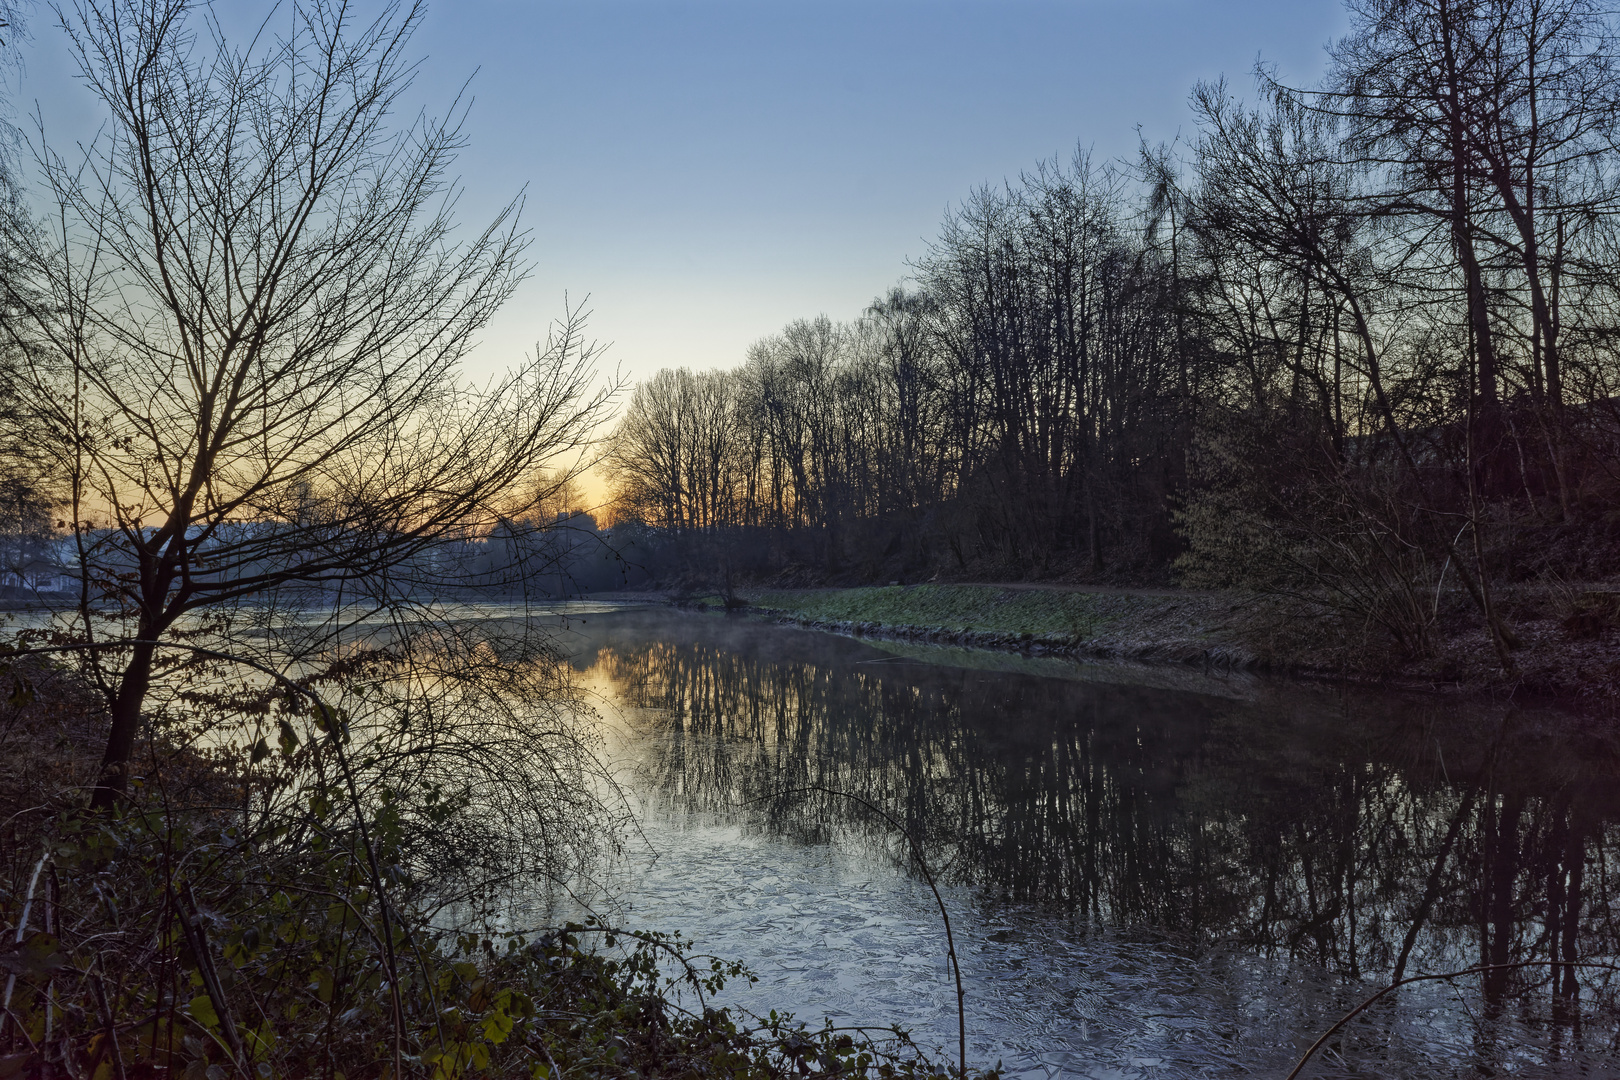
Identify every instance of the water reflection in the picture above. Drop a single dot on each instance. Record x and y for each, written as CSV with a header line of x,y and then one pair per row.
x,y
1351,835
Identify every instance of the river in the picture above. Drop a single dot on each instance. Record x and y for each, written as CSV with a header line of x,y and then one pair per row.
x,y
1150,872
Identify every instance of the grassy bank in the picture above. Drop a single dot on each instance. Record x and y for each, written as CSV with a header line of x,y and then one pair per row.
x,y
1038,612
1162,626
1569,644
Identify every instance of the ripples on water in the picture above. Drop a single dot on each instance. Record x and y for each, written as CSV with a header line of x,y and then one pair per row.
x,y
1184,877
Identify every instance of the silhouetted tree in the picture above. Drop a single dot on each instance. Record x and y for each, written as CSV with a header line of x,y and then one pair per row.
x,y
246,322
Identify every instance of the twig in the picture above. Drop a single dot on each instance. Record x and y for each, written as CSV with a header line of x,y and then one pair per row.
x,y
22,930
928,876
197,941
110,1025
657,943
1475,970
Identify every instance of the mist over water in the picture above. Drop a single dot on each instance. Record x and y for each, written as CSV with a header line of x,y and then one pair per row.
x,y
1144,881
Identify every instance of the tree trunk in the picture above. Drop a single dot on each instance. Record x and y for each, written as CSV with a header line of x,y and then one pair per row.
x,y
126,721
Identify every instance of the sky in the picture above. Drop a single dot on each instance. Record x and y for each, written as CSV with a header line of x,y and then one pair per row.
x,y
700,172
706,172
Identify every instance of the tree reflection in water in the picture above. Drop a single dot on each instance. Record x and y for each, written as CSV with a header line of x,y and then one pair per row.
x,y
1368,834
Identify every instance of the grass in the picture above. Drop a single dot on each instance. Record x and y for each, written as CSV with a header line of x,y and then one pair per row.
x,y
1037,612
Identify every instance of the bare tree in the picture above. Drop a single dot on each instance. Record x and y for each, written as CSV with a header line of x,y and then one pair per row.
x,y
1489,127
671,451
249,314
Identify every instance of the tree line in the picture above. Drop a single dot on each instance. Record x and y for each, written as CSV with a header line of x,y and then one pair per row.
x,y
1027,379
1348,339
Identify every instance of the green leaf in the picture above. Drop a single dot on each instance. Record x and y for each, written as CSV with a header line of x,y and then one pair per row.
x,y
260,1041
202,1011
333,722
40,954
497,1026
288,738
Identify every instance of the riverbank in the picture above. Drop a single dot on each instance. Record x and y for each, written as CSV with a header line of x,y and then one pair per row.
x,y
1569,638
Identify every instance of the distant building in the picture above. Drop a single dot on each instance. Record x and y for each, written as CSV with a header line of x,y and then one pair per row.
x,y
31,566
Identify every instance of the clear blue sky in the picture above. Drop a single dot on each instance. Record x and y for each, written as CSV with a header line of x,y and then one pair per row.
x,y
706,171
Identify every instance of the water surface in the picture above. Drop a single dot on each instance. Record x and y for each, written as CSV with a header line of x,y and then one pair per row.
x,y
1151,872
